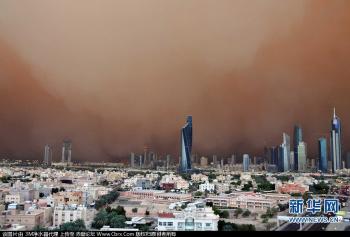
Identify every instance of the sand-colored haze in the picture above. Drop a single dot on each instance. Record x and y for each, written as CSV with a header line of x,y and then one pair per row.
x,y
115,75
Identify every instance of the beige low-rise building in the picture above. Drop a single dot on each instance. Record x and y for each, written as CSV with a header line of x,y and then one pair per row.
x,y
63,214
68,198
157,196
248,200
29,219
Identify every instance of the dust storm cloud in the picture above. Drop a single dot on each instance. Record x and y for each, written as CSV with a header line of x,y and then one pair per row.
x,y
115,75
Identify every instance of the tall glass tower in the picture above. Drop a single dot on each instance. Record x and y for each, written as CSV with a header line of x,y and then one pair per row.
x,y
67,151
246,161
322,153
186,146
286,152
336,143
298,137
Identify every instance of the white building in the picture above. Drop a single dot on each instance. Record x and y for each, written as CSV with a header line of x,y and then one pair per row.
x,y
210,187
63,214
14,198
196,217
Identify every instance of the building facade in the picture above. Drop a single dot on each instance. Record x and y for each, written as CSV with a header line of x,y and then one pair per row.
x,y
336,143
67,151
196,217
322,154
302,157
246,162
298,137
186,146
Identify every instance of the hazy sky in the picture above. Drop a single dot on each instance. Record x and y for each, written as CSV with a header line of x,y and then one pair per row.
x,y
113,75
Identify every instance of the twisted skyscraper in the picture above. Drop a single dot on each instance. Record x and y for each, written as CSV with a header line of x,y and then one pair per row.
x,y
186,146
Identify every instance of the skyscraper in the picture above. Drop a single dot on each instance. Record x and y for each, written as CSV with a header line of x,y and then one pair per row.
x,y
145,156
246,163
186,146
298,137
274,155
322,154
302,156
336,143
215,160
132,160
168,157
280,163
67,151
286,152
348,160
47,155
233,160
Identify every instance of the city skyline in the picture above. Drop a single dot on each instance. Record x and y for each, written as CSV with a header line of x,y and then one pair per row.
x,y
112,87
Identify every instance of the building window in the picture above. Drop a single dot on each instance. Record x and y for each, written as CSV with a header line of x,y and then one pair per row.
x,y
170,224
207,224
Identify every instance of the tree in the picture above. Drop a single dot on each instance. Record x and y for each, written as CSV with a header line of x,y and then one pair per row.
x,y
246,187
39,228
238,211
198,194
320,188
5,179
117,221
144,228
119,210
246,213
134,210
77,225
224,214
101,219
41,195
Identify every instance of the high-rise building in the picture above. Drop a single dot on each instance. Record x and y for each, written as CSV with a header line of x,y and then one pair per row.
x,y
132,160
168,159
141,163
222,163
47,155
286,152
146,159
291,160
204,162
186,146
298,137
246,163
280,162
233,160
348,160
67,151
336,143
322,154
215,160
302,156
274,155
